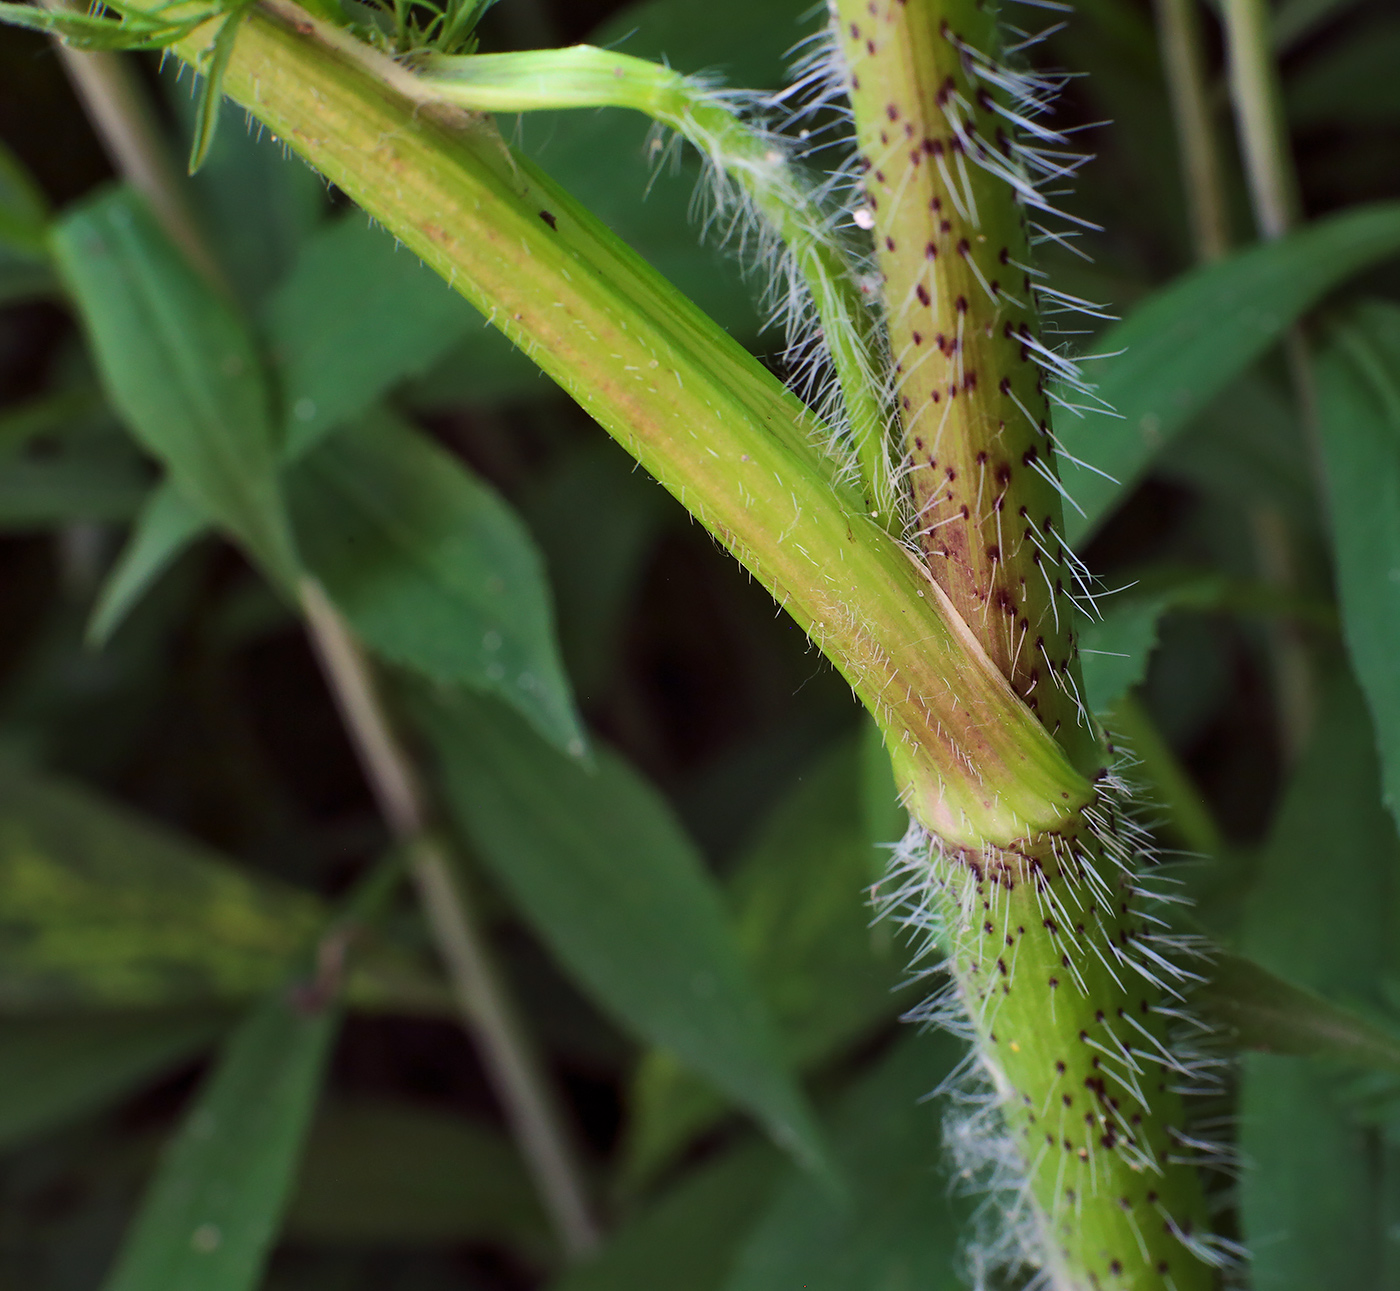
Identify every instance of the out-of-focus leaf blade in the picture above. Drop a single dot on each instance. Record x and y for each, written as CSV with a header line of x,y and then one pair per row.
x,y
1320,914
799,898
687,1239
180,367
166,526
433,569
100,909
1350,82
1358,390
55,1069
44,492
258,202
210,1216
23,211
600,867
1254,1009
356,316
382,1173
1182,346
899,1227
211,91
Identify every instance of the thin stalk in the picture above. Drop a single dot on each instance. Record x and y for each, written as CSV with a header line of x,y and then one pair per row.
x,y
1274,191
122,118
1263,129
1169,785
1183,62
107,86
489,1013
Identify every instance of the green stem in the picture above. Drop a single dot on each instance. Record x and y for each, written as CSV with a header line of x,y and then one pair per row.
x,y
1169,785
1273,182
1183,61
696,409
516,1072
1047,941
1263,128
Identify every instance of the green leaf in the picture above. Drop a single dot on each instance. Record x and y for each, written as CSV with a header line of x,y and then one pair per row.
x,y
1350,81
258,202
24,213
899,1228
76,483
96,31
382,1173
1254,1009
597,520
687,1239
357,315
1116,646
211,91
603,872
1182,346
1321,913
210,1216
433,570
800,904
1358,391
100,909
53,1070
166,526
180,367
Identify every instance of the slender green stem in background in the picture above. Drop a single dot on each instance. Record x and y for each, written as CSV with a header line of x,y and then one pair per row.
x,y
122,118
1170,787
491,1016
1202,175
1274,192
584,77
1263,129
112,97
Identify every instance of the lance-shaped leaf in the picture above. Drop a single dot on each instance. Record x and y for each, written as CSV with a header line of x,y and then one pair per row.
x,y
1257,1010
601,869
356,315
210,1216
1358,385
53,1069
181,368
1178,349
433,570
899,1227
1321,911
801,913
100,909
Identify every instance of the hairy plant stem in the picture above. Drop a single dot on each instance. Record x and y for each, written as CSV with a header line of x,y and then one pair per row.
x,y
1025,833
1048,940
1202,175
699,412
123,120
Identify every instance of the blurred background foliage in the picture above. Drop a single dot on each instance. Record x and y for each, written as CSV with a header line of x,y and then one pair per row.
x,y
180,809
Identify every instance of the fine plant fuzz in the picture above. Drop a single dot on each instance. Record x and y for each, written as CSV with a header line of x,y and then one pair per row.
x,y
1060,974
